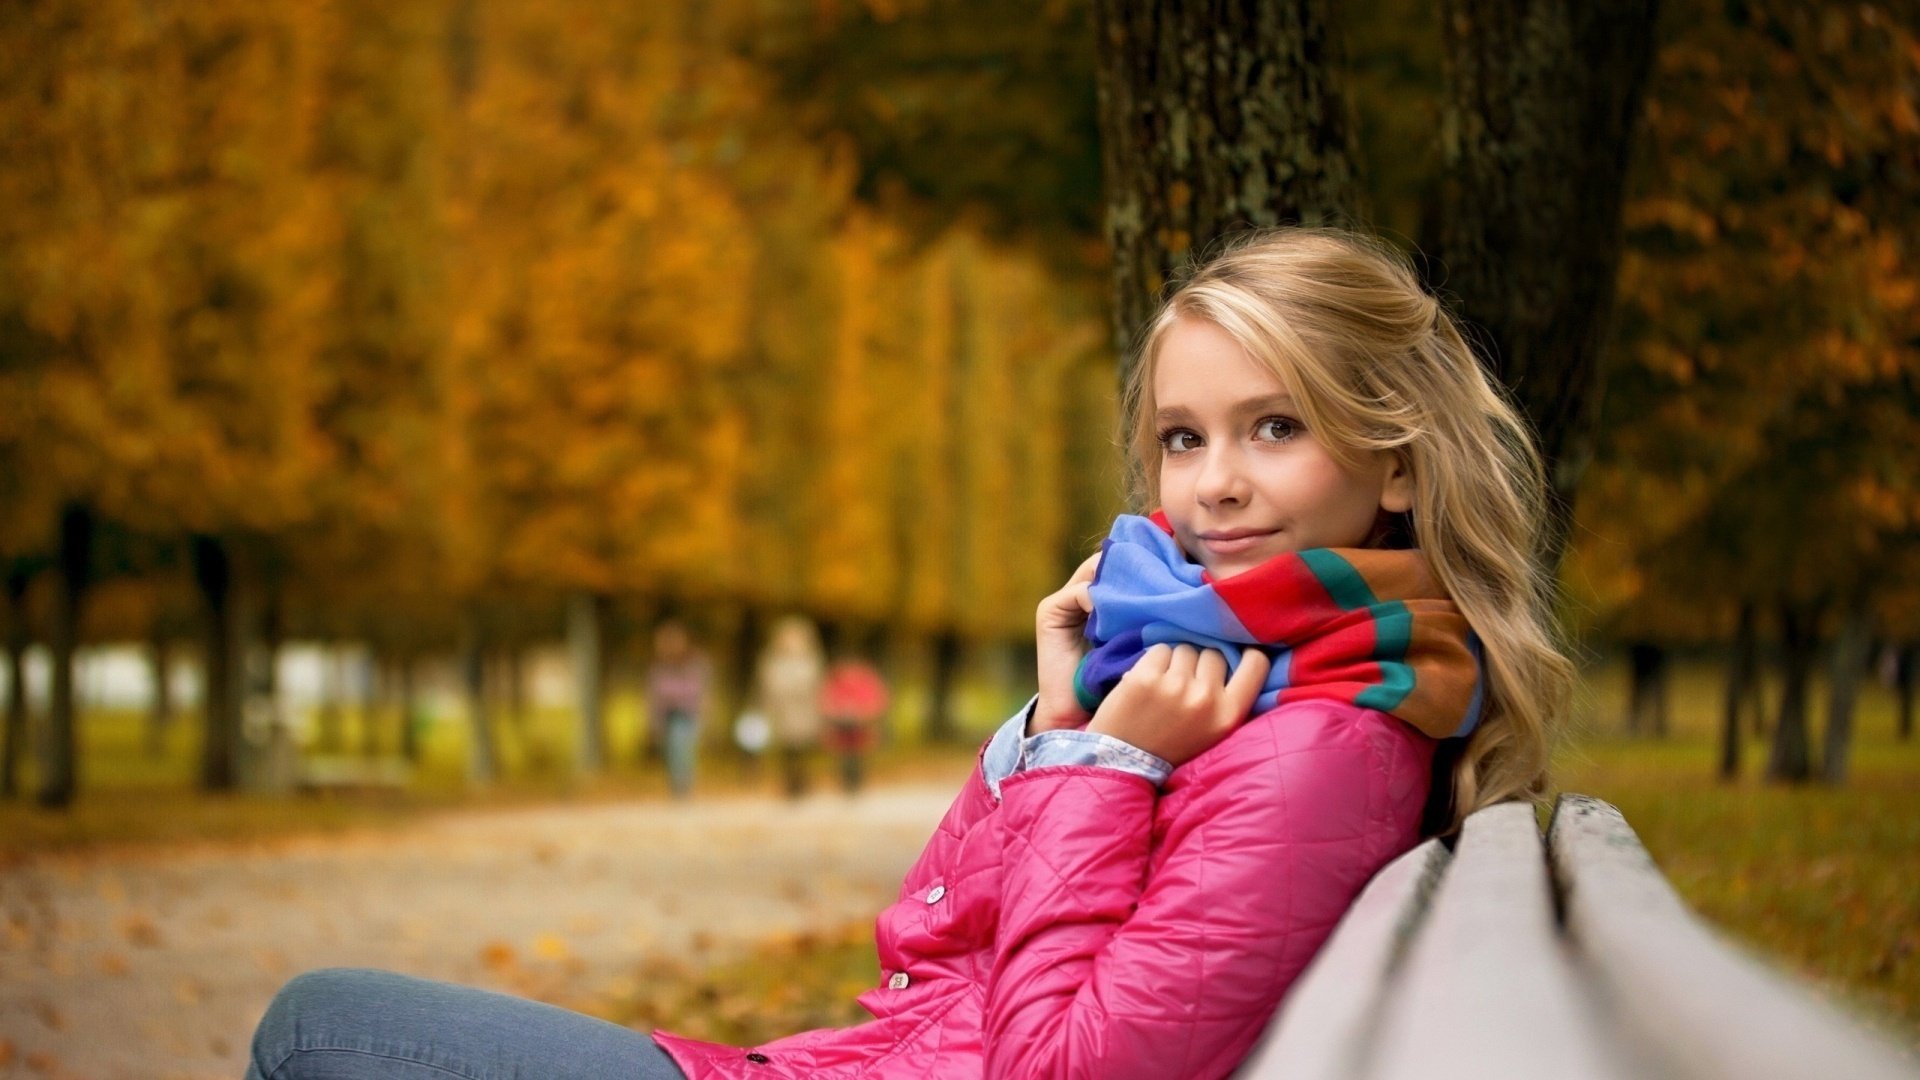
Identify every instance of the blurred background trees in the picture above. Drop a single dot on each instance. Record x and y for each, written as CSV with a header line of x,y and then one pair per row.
x,y
452,328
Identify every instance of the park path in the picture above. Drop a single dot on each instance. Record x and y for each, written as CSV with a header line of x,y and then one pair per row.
x,y
156,965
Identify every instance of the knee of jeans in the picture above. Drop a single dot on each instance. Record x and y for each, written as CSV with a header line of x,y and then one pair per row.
x,y
307,1000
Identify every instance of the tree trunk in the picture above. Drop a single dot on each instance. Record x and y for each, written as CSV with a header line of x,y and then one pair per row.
x,y
482,761
1799,640
377,702
515,660
1740,673
409,718
220,709
1852,648
586,639
160,708
59,772
1647,706
268,755
737,691
943,724
13,734
1542,100
1213,117
1903,679
329,734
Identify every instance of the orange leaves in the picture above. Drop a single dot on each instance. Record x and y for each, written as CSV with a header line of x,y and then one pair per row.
x,y
1768,313
570,310
139,930
1678,215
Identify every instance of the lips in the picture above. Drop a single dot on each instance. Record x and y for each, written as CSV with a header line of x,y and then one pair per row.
x,y
1234,541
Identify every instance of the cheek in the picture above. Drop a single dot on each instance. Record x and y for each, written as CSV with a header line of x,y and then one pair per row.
x,y
1340,494
1169,486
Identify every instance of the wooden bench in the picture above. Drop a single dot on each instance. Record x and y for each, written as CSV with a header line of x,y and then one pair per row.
x,y
1572,958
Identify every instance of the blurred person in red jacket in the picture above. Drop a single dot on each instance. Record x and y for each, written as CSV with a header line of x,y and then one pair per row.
x,y
853,701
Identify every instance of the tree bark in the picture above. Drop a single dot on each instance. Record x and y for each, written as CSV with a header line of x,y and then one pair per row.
x,y
1647,701
1213,117
1799,640
586,639
1852,648
1542,100
220,708
13,734
943,724
1740,674
59,772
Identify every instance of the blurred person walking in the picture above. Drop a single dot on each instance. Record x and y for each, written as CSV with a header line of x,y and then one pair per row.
x,y
677,679
788,685
853,701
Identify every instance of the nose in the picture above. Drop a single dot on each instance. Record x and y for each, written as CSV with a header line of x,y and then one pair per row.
x,y
1222,480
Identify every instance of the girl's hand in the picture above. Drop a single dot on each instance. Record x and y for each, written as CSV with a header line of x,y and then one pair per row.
x,y
1060,641
1177,702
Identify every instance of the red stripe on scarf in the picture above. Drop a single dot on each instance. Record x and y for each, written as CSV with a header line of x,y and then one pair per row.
x,y
1342,653
1279,601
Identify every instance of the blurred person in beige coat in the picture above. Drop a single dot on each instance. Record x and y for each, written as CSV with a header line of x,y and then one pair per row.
x,y
788,685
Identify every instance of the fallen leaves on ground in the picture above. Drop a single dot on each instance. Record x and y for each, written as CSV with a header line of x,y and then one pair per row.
x,y
793,983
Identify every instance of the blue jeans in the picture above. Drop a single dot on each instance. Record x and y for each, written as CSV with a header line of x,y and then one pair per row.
x,y
683,742
356,1024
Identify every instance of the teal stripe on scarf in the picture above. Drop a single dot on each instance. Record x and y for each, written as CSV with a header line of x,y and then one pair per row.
x,y
1393,633
1392,627
1342,582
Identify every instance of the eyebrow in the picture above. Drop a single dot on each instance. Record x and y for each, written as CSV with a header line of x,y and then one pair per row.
x,y
1268,403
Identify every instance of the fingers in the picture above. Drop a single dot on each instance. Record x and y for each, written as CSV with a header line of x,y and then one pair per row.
x,y
1154,662
1183,663
1085,571
1212,668
1068,608
1244,688
1082,594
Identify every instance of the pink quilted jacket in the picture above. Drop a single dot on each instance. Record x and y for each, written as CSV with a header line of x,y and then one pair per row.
x,y
1090,926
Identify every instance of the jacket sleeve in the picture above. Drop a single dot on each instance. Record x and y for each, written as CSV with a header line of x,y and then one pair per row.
x,y
1121,954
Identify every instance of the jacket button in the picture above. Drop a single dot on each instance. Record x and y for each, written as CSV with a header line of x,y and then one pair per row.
x,y
899,981
758,1058
937,892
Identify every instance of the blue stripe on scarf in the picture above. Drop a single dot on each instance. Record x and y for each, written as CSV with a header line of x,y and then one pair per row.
x,y
1147,593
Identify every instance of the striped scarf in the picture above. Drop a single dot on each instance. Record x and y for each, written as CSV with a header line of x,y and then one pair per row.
x,y
1365,626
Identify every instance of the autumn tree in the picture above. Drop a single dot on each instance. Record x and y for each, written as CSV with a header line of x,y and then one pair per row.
x,y
1753,459
166,244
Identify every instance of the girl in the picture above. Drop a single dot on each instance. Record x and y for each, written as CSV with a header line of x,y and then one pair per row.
x,y
1344,550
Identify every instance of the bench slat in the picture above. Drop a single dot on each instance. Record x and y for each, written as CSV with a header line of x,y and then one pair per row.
x,y
1705,1008
1323,1026
1487,988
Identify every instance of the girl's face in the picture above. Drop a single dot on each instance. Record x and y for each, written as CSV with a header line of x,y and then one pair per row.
x,y
1241,479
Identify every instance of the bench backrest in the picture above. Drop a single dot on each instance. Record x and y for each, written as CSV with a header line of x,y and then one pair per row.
x,y
1568,956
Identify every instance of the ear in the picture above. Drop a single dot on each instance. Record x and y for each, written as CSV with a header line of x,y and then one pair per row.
x,y
1396,495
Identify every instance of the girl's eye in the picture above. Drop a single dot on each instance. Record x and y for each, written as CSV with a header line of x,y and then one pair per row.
x,y
1277,429
1178,439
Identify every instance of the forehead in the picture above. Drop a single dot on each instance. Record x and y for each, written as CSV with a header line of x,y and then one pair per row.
x,y
1200,366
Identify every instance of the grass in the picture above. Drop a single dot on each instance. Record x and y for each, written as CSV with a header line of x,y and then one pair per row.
x,y
129,796
1824,881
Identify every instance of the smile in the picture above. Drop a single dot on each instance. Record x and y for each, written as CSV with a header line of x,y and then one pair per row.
x,y
1234,541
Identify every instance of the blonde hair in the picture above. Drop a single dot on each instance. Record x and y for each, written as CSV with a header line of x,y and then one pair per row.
x,y
1375,363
